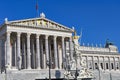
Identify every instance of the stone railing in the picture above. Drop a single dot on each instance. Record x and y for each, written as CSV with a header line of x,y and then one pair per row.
x,y
98,49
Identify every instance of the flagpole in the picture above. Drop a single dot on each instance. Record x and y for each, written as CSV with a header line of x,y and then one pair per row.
x,y
37,9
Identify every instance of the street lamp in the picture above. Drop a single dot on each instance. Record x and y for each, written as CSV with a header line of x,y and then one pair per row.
x,y
67,65
49,65
67,54
76,72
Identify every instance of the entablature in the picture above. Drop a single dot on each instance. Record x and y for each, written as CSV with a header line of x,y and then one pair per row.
x,y
43,23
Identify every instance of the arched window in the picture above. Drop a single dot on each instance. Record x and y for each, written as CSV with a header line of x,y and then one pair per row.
x,y
117,65
96,66
101,65
90,65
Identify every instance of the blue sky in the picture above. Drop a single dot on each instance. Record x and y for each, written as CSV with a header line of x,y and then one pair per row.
x,y
99,19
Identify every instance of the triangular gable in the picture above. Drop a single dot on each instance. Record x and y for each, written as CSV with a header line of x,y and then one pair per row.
x,y
40,22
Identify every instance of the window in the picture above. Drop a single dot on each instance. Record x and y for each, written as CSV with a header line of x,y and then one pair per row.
x,y
106,65
112,66
96,66
101,64
90,65
117,66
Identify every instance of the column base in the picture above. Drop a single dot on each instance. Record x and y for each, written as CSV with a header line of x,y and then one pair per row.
x,y
39,68
8,67
47,68
29,68
56,68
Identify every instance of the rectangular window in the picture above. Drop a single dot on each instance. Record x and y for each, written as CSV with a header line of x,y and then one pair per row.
x,y
112,66
106,65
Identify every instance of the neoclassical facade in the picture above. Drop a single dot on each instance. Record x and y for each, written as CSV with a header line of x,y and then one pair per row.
x,y
29,47
103,61
28,44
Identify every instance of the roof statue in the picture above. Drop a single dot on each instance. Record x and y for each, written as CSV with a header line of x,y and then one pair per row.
x,y
76,38
42,15
108,43
111,46
6,20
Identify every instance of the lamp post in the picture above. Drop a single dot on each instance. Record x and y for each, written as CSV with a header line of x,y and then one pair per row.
x,y
67,54
49,65
76,71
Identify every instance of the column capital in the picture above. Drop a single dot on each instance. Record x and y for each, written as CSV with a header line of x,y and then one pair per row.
x,y
46,36
63,36
28,34
37,36
70,37
8,33
18,34
55,37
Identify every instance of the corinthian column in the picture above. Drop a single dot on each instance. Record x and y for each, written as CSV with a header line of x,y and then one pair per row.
x,y
46,48
28,52
63,51
38,51
103,62
55,52
110,67
71,50
18,51
8,52
114,63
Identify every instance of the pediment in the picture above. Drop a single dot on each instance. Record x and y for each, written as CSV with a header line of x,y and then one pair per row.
x,y
41,23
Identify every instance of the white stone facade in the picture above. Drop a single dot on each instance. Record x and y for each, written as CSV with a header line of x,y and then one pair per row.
x,y
103,61
26,46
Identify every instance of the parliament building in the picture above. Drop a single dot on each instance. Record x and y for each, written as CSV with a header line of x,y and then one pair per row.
x,y
39,49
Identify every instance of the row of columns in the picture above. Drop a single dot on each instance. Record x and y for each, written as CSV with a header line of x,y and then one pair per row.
x,y
19,62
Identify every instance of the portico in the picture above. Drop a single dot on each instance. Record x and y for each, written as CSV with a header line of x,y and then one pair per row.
x,y
25,50
29,42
